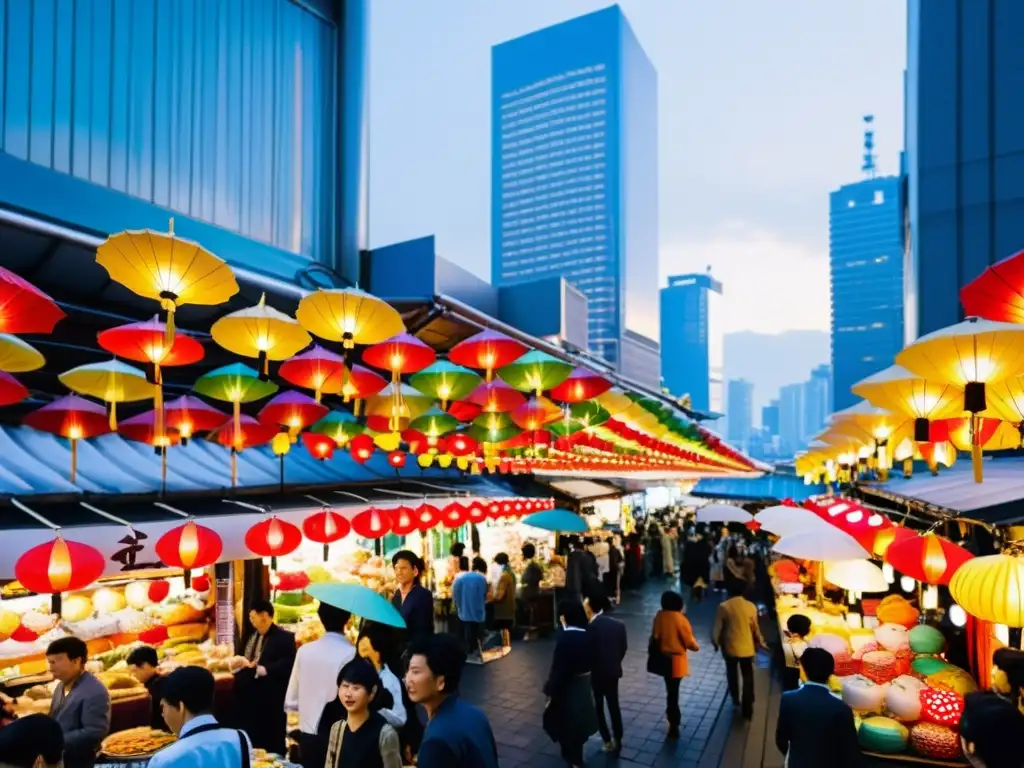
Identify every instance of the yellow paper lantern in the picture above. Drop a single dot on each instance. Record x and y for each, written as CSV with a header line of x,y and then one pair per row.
x,y
992,588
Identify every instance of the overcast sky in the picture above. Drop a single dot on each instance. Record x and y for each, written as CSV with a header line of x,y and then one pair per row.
x,y
760,107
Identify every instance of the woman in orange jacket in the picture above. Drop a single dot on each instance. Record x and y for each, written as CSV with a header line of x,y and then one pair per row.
x,y
674,637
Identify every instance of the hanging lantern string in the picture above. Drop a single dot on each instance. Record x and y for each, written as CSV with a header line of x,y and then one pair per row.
x,y
353,496
315,500
400,493
35,515
246,505
171,509
107,515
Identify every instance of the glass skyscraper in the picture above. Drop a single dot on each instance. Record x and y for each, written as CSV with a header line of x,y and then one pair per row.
x,y
575,170
866,265
692,340
964,149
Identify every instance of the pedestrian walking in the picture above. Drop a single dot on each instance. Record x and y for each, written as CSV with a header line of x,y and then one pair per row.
x,y
737,633
608,645
469,592
616,563
414,601
671,637
363,739
569,714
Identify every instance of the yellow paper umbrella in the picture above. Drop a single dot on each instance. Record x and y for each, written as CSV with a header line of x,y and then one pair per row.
x,y
17,356
261,332
350,316
920,398
167,269
970,354
877,424
615,401
111,381
1006,399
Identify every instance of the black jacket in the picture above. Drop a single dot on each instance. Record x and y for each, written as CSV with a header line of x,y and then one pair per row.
x,y
816,729
260,700
607,637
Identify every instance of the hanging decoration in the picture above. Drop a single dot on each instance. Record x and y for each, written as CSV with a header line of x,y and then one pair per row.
x,y
454,515
360,384
372,523
247,432
273,538
361,448
535,372
340,426
261,332
236,384
111,381
434,423
487,351
886,537
189,546
11,390
142,429
393,408
59,566
582,384
326,527
536,414
320,447
998,292
991,588
445,381
396,460
24,308
167,269
189,416
929,558
293,411
318,369
73,418
476,512
497,397
403,521
17,356
427,516
402,354
348,315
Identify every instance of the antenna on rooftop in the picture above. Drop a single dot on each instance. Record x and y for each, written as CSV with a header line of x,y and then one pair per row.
x,y
869,167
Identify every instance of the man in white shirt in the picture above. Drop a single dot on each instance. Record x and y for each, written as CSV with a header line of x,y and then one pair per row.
x,y
186,702
313,684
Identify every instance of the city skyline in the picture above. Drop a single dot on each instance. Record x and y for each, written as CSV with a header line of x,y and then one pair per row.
x,y
742,188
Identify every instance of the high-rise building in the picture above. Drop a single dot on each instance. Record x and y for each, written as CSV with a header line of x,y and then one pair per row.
x,y
791,418
866,264
817,399
740,412
575,170
770,419
692,340
964,149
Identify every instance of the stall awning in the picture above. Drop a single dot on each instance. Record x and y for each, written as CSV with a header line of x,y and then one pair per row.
x,y
1000,498
774,486
584,489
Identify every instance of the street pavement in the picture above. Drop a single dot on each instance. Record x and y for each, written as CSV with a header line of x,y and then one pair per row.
x,y
509,691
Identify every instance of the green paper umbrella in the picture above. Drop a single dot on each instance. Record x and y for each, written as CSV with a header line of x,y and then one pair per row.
x,y
581,416
445,381
340,426
235,384
493,428
535,372
434,423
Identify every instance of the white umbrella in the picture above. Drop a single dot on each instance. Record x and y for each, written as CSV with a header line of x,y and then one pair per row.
x,y
821,544
785,521
856,576
723,513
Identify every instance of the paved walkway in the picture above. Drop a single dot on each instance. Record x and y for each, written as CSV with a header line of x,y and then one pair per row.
x,y
509,690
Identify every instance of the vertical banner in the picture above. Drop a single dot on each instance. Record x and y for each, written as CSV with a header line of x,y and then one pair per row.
x,y
225,612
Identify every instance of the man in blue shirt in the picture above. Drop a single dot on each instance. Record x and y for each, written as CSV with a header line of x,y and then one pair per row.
x,y
187,700
458,734
469,590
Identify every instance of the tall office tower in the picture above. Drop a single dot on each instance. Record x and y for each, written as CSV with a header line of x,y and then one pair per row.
x,y
964,150
574,166
770,419
740,412
791,418
817,400
866,263
692,340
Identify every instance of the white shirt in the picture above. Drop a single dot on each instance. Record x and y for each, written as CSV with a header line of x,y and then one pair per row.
x,y
314,681
395,716
219,747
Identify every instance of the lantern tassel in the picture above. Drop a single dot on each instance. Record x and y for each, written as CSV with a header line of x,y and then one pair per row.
x,y
976,447
236,408
163,470
263,365
113,416
234,468
327,548
74,459
908,468
158,415
317,394
819,591
357,406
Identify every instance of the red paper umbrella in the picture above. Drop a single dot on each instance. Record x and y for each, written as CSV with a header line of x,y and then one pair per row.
x,y
497,397
24,308
293,410
142,429
582,384
189,546
251,433
487,351
427,516
385,423
403,521
400,354
318,369
320,447
11,390
190,416
59,566
930,559
536,413
454,515
460,445
145,342
463,410
476,511
360,384
998,292
361,447
273,538
372,523
72,417
326,527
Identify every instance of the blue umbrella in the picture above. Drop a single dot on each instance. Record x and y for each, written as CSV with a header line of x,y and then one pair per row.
x,y
359,601
557,520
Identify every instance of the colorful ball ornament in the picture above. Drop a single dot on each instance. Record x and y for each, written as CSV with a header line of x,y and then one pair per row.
x,y
952,679
935,741
926,666
926,639
862,694
892,637
941,707
884,735
879,666
903,698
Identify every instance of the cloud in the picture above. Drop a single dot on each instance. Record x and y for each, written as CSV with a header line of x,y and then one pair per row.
x,y
770,284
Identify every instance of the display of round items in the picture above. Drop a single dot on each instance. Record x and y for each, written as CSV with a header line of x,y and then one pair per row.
x,y
935,741
903,698
883,734
834,644
926,666
941,707
952,679
868,647
926,639
862,694
879,666
896,609
892,637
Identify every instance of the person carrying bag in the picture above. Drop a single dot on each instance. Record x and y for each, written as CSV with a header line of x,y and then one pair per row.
x,y
671,637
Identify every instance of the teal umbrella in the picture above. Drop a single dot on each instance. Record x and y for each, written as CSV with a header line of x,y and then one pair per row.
x,y
359,601
557,520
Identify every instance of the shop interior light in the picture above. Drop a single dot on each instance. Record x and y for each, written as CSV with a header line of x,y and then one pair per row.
x,y
957,615
889,573
907,584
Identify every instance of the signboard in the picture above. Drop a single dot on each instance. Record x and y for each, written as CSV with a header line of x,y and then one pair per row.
x,y
225,612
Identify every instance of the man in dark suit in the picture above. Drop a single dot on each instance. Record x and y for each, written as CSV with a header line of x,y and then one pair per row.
x,y
607,639
80,704
815,728
261,685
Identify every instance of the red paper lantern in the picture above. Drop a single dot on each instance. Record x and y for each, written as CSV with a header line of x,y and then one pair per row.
x,y
326,527
753,526
372,523
273,537
427,516
931,559
941,706
361,448
146,342
463,410
403,521
460,445
476,512
494,510
59,566
320,447
189,546
396,459
454,515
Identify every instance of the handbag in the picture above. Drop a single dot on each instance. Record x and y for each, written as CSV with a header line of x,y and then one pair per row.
x,y
658,663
